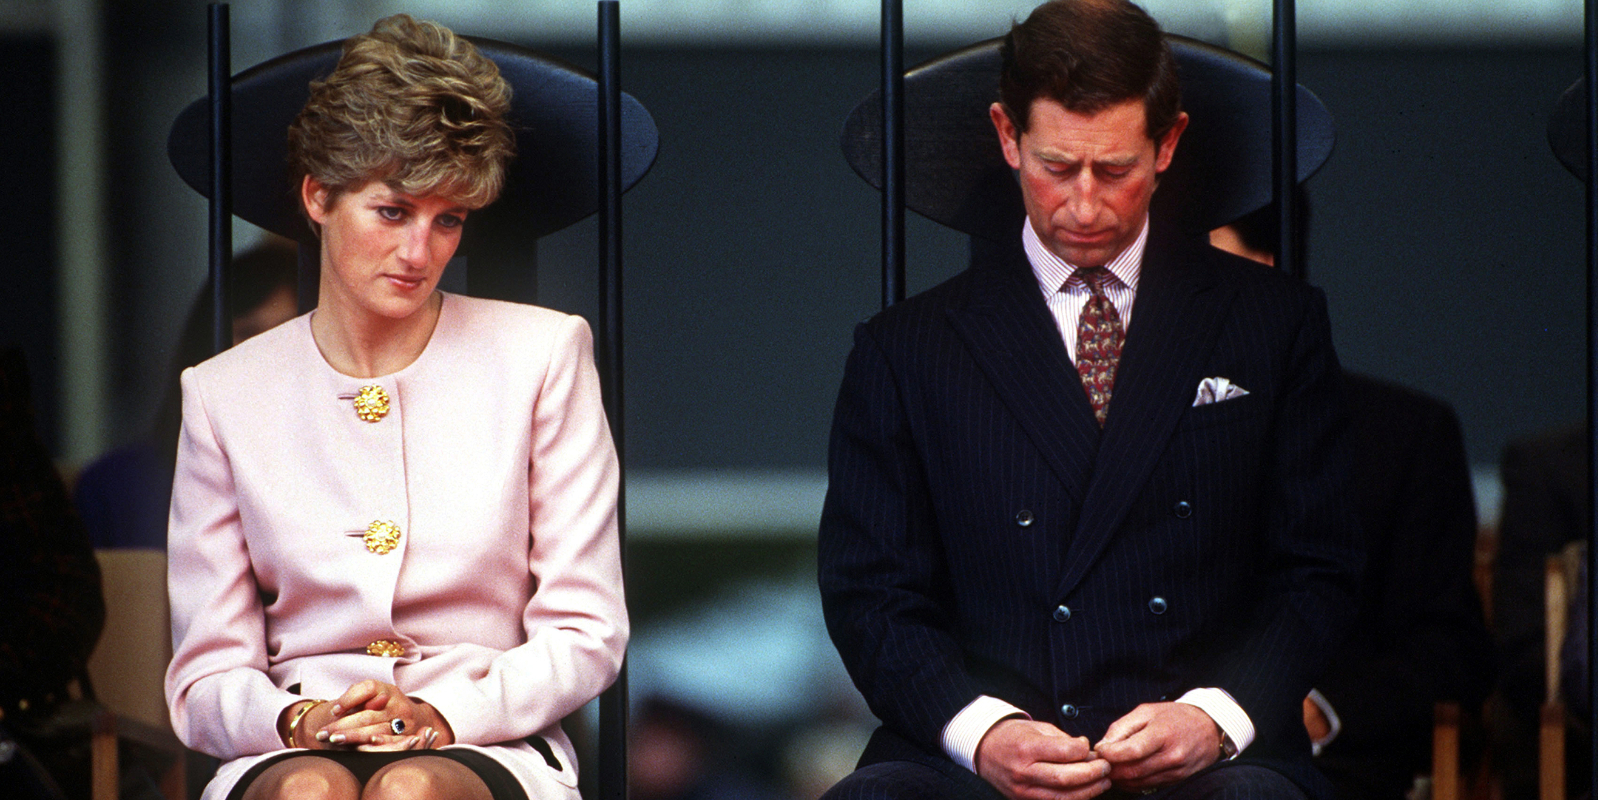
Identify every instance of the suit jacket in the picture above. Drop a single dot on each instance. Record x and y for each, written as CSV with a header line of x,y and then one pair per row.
x,y
504,593
982,536
1419,636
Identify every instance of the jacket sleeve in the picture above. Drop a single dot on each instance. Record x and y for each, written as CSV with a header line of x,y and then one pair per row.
x,y
220,697
885,590
576,621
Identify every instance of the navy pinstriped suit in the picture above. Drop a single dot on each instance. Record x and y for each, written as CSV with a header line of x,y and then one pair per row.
x,y
982,536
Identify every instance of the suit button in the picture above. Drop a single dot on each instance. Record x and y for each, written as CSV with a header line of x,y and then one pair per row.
x,y
1024,518
381,537
1061,614
1069,711
372,403
1158,605
1182,509
386,648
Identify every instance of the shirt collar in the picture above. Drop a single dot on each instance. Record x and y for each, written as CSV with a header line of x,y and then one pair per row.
x,y
1052,273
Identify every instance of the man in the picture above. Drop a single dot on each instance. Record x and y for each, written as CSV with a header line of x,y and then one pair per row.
x,y
1086,528
1419,636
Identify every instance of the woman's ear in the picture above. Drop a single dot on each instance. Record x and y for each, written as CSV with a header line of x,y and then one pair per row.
x,y
314,197
314,203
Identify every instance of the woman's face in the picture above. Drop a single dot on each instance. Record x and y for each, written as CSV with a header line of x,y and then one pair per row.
x,y
382,250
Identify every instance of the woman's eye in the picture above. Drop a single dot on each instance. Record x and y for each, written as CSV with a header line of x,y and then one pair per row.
x,y
450,221
391,213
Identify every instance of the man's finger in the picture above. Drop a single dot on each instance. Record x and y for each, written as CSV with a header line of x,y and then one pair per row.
x,y
1137,746
1125,726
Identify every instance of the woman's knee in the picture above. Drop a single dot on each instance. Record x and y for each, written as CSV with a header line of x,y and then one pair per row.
x,y
425,778
305,778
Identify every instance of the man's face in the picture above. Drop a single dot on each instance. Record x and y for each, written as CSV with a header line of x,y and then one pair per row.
x,y
1086,178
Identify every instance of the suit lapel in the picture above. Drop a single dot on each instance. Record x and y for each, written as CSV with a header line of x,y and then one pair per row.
x,y
1012,336
1177,316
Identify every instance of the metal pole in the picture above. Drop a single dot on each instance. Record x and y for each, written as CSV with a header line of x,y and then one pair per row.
x,y
613,747
221,220
1284,161
1592,230
894,146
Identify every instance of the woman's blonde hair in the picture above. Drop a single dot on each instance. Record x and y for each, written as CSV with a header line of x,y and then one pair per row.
x,y
410,104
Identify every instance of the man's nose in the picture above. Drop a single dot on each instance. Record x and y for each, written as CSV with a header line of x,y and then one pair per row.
x,y
1083,200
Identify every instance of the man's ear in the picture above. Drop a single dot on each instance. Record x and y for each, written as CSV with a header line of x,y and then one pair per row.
x,y
1169,142
1007,131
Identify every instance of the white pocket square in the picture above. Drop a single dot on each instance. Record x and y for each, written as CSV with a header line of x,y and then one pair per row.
x,y
1216,390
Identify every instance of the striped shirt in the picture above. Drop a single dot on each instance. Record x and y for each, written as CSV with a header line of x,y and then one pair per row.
x,y
1066,298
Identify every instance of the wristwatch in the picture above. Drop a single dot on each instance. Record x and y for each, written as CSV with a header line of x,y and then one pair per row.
x,y
1226,749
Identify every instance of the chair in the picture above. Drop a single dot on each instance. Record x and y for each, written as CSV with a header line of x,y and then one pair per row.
x,y
127,670
583,144
1566,576
955,174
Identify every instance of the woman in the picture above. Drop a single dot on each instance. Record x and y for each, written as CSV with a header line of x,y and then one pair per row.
x,y
394,563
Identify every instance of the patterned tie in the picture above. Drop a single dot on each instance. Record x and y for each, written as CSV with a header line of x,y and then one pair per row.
x,y
1099,341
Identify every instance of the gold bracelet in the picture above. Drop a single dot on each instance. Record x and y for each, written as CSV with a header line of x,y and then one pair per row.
x,y
294,720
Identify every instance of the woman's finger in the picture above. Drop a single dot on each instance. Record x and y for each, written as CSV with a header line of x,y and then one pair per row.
x,y
390,744
359,695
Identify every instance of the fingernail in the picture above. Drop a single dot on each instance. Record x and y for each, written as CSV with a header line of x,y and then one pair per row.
x,y
336,710
337,738
322,736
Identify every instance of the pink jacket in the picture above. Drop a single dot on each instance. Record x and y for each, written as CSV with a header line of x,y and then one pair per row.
x,y
504,590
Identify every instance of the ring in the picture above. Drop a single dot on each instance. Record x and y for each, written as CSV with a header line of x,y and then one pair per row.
x,y
397,725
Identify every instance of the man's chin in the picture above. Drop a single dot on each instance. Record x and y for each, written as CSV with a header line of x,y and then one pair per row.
x,y
1086,256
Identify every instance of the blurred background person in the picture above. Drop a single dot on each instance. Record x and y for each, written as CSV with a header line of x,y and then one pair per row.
x,y
53,609
123,496
1420,636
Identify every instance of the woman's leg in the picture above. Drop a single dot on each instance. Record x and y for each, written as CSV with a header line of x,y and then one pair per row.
x,y
304,778
426,778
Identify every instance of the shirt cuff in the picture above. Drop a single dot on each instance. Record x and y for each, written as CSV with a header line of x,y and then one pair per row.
x,y
1225,711
1334,726
966,729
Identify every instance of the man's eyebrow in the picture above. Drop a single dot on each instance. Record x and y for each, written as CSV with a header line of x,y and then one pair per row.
x,y
1053,155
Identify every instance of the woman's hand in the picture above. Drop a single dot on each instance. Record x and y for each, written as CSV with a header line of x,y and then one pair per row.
x,y
374,716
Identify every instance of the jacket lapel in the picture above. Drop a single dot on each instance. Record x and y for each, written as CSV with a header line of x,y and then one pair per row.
x,y
1177,317
1014,340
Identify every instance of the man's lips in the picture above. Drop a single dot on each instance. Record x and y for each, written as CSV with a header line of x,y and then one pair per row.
x,y
1085,237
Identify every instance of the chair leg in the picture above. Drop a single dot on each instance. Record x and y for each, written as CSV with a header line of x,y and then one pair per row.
x,y
1552,752
1446,751
103,782
174,782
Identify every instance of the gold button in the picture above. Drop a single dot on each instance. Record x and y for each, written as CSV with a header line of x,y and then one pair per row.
x,y
386,648
372,403
382,536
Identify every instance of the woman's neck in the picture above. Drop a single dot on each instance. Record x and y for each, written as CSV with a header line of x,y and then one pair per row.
x,y
365,345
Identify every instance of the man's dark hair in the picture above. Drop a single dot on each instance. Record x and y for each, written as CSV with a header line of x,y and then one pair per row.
x,y
1089,55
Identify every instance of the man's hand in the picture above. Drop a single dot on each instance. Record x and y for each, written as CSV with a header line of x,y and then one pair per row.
x,y
1158,744
1029,760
